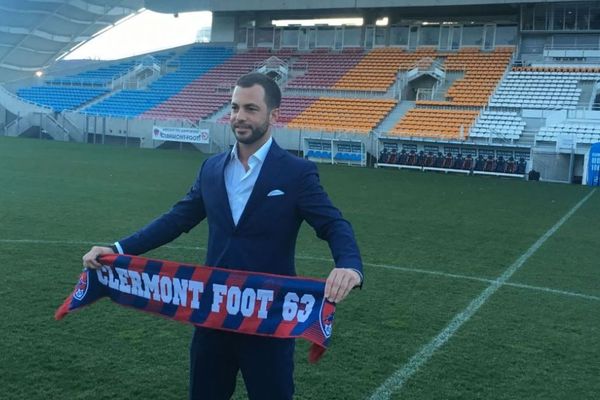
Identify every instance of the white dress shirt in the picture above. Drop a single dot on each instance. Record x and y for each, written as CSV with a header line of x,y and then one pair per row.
x,y
239,182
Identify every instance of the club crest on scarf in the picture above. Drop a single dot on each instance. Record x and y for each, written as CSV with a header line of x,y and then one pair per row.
x,y
327,315
82,286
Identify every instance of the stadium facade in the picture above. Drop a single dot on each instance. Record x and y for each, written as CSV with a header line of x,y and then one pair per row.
x,y
490,87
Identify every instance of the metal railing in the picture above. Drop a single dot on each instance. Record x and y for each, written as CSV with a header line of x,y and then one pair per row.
x,y
327,92
584,46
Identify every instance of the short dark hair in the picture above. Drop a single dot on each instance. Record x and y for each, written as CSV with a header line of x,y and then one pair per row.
x,y
272,91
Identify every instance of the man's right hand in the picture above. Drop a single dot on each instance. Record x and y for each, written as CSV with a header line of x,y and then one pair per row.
x,y
90,258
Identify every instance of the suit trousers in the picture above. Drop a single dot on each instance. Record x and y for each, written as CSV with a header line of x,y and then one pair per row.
x,y
267,365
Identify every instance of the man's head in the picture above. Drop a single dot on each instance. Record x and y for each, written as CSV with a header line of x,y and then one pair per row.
x,y
254,107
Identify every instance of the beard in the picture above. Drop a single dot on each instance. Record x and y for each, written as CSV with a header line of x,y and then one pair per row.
x,y
255,134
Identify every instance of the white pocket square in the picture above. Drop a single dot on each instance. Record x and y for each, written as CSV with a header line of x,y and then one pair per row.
x,y
275,192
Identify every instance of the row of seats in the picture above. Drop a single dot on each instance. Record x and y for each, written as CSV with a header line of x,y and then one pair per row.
x,y
205,75
348,157
202,97
483,71
290,108
498,125
448,161
435,123
423,159
192,64
500,165
558,68
100,76
582,133
320,154
322,69
60,98
378,69
339,156
538,90
343,114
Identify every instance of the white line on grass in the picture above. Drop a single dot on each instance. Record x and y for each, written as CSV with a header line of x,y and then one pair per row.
x,y
302,257
398,378
485,280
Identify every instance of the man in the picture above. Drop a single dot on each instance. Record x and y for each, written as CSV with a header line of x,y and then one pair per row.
x,y
254,198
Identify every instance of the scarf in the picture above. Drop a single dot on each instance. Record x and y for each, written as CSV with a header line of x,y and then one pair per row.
x,y
245,302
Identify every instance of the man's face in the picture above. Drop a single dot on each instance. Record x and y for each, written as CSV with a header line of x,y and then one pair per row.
x,y
250,117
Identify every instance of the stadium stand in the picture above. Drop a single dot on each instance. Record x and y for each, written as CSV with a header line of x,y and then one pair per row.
x,y
106,75
191,65
498,125
533,89
97,77
342,114
441,93
322,67
435,123
211,91
60,98
581,132
378,70
482,73
290,108
74,91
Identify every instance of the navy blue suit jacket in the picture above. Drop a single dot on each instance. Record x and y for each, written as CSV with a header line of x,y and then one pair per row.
x,y
264,239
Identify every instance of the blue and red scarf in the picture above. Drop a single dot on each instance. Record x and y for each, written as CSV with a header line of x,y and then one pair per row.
x,y
240,301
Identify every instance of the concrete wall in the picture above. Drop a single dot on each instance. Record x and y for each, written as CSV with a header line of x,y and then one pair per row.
x,y
3,117
139,131
223,28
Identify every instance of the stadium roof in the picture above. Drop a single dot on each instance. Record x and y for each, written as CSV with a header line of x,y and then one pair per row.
x,y
173,6
34,33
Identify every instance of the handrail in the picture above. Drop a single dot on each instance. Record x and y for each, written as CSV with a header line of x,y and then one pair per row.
x,y
11,123
328,92
58,124
590,46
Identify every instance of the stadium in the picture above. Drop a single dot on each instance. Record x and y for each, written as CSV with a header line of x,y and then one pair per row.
x,y
460,138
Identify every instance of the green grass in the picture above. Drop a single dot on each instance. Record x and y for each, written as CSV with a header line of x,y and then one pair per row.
x,y
522,344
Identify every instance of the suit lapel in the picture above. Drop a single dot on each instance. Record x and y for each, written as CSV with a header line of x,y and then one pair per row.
x,y
222,189
264,181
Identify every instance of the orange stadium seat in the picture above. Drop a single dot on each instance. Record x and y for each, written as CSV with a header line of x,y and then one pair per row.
x,y
436,123
377,71
343,114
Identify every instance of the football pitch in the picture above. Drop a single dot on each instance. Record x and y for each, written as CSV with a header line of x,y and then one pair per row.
x,y
475,287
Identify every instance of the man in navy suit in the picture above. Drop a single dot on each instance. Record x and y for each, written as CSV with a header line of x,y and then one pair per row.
x,y
254,198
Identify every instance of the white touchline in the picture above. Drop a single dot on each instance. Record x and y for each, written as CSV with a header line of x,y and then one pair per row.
x,y
324,259
464,277
486,280
398,378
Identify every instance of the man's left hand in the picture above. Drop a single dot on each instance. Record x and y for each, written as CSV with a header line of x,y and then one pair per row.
x,y
339,283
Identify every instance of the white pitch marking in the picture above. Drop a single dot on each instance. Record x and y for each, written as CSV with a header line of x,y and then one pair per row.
x,y
465,277
398,378
301,257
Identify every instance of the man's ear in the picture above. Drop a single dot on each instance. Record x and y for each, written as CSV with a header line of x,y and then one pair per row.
x,y
273,115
